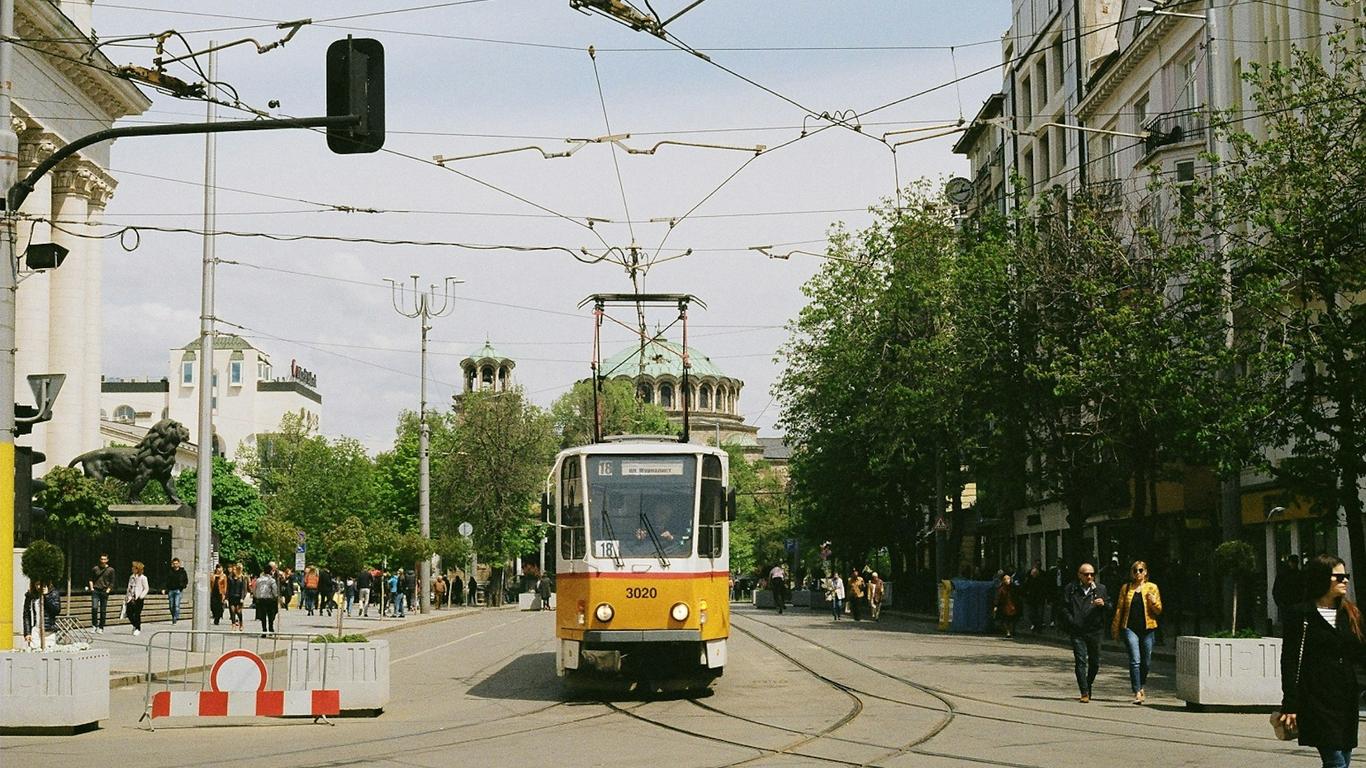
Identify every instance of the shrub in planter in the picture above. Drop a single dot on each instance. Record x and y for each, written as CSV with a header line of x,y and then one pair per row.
x,y
43,563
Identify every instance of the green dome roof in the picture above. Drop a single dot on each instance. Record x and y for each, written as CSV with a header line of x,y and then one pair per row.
x,y
486,352
662,358
222,341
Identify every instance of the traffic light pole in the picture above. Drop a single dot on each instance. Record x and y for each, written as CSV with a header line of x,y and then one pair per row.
x,y
9,171
203,501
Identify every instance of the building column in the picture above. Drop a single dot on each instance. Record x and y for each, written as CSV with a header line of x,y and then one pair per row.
x,y
102,189
68,346
31,321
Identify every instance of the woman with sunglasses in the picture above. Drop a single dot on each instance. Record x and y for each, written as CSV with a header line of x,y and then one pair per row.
x,y
1140,603
1323,644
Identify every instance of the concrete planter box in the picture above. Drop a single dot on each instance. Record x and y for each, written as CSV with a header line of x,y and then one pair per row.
x,y
360,671
801,598
763,598
1228,672
530,601
54,691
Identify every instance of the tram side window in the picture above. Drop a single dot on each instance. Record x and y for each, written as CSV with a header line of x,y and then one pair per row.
x,y
573,543
712,508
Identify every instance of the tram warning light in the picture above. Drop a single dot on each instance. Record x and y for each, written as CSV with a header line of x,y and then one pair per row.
x,y
355,86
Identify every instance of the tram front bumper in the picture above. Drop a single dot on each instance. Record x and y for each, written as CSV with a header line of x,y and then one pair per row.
x,y
610,650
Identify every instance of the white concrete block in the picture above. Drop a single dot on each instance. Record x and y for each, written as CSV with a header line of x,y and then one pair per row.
x,y
53,689
1228,671
360,671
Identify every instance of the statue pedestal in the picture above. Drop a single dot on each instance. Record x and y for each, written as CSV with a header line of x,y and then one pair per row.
x,y
180,519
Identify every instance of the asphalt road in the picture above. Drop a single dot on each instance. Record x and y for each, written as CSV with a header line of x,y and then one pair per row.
x,y
480,689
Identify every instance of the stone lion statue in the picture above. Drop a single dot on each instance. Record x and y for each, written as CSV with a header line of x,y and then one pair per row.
x,y
152,458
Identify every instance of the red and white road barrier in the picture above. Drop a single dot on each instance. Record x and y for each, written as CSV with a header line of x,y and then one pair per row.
x,y
238,680
316,703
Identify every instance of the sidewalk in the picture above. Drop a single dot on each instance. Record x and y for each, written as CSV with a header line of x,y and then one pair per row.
x,y
128,663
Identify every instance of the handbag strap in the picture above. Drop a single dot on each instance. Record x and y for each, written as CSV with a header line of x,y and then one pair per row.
x,y
1299,665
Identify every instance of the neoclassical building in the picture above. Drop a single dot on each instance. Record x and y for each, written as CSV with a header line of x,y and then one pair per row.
x,y
486,370
713,397
57,98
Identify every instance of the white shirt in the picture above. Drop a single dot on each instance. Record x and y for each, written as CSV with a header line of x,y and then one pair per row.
x,y
137,587
1329,615
837,586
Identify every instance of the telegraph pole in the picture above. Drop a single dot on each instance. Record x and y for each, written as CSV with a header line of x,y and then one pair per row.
x,y
424,309
203,504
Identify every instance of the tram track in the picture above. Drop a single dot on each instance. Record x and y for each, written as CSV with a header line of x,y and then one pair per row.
x,y
1089,719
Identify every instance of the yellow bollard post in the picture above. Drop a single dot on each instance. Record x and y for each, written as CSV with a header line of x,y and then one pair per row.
x,y
6,546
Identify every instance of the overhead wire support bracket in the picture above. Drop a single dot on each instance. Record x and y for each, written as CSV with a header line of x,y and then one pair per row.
x,y
292,26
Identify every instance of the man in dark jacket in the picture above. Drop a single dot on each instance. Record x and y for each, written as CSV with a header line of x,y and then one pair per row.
x,y
1085,611
175,587
101,582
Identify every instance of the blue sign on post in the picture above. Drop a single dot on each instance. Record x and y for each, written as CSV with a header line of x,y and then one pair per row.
x,y
790,545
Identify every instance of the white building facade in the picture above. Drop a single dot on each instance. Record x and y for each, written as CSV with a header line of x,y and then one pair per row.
x,y
57,99
249,398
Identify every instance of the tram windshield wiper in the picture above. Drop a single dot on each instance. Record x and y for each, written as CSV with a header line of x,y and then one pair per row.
x,y
612,537
654,537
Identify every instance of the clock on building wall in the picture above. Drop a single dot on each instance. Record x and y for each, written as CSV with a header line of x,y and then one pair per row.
x,y
958,190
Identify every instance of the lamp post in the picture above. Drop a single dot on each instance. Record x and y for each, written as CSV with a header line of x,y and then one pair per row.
x,y
424,309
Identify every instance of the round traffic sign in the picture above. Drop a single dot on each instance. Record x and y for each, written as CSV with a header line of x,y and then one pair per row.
x,y
238,670
466,529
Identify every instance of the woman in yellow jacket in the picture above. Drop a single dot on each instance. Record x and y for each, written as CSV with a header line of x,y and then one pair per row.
x,y
1134,622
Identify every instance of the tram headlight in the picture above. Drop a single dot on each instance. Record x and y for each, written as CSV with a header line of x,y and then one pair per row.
x,y
604,612
702,611
679,612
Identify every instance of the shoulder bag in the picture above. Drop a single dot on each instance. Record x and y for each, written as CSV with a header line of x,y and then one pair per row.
x,y
1285,732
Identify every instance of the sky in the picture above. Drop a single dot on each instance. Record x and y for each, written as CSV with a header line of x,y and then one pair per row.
x,y
489,75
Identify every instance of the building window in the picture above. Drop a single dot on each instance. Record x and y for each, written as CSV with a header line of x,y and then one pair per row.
x,y
646,395
235,373
187,373
1141,113
1026,102
666,395
706,396
1041,81
1185,180
1058,66
1045,158
1187,95
124,414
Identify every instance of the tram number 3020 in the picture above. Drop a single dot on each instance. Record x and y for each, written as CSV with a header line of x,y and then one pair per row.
x,y
635,593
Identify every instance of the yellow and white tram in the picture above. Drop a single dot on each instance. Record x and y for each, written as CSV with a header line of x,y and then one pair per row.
x,y
643,565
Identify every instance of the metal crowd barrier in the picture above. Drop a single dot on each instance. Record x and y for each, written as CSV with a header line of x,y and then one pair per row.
x,y
234,674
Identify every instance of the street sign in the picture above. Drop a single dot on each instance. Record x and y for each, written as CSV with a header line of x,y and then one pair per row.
x,y
941,525
299,561
790,545
466,529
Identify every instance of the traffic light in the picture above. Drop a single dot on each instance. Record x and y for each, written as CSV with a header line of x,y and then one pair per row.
x,y
355,86
26,516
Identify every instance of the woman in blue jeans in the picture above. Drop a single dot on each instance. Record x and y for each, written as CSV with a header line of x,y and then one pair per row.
x,y
1324,642
1135,621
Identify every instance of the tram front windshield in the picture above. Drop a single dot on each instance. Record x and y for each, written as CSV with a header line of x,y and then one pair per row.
x,y
641,506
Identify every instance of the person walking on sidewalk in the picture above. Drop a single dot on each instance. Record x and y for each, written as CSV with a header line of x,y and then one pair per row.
x,y
876,591
134,597
1135,623
1323,644
237,596
777,581
1036,589
835,591
265,596
363,582
1084,607
857,594
1006,605
218,593
175,588
101,584
310,589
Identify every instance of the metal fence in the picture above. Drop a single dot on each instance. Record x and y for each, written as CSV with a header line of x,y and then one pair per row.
x,y
228,674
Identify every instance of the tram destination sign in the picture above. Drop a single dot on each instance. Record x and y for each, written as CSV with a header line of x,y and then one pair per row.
x,y
652,468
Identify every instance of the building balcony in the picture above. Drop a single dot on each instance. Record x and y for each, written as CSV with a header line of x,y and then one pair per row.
x,y
1106,192
1174,128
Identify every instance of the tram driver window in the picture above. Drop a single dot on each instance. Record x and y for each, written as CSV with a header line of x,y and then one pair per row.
x,y
573,543
709,533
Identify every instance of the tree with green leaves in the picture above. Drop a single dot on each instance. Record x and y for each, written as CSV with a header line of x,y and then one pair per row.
x,y
504,446
345,550
763,520
622,413
396,470
1292,211
77,509
237,513
43,563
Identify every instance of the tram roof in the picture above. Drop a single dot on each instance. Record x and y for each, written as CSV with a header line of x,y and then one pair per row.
x,y
661,446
